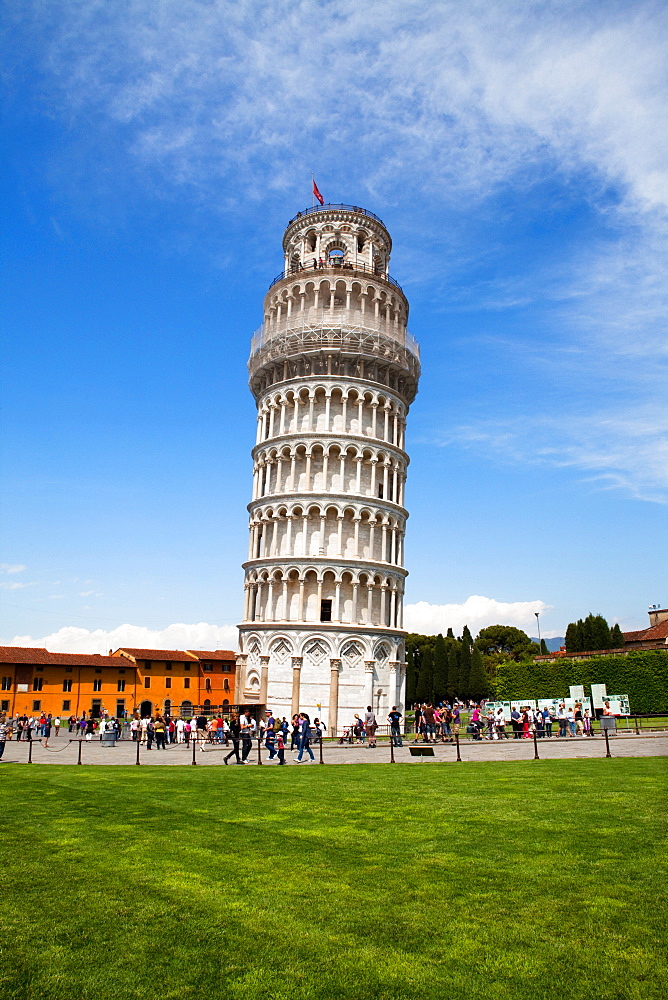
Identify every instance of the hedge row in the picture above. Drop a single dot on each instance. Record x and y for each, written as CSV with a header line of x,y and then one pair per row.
x,y
643,675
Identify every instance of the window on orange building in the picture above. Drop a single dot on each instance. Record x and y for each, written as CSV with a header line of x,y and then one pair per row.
x,y
66,706
168,682
67,684
6,684
37,683
120,686
36,706
4,706
226,685
147,682
207,683
186,682
97,684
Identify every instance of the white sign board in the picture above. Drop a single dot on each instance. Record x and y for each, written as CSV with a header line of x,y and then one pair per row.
x,y
598,695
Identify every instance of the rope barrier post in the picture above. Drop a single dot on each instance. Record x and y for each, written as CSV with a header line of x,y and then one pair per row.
x,y
535,746
79,756
30,751
607,743
637,729
194,742
321,761
138,745
459,759
259,748
391,748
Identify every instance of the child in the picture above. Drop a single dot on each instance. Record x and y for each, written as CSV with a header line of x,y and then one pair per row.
x,y
280,746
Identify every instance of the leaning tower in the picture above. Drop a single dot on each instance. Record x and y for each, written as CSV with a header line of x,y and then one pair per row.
x,y
333,370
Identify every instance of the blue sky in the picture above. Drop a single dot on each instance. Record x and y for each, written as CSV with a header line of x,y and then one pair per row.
x,y
155,151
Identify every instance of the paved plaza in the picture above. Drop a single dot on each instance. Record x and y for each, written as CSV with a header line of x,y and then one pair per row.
x,y
62,751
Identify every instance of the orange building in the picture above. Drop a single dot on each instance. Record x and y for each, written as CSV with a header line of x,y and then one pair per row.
x,y
176,682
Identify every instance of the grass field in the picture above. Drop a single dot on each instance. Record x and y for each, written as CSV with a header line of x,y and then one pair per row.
x,y
504,880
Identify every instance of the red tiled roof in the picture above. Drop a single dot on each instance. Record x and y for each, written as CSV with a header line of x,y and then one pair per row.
x,y
216,654
41,656
166,655
659,631
651,634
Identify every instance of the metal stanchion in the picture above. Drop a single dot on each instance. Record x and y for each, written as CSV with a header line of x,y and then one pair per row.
x,y
391,748
457,745
194,741
259,748
79,752
321,761
535,746
30,751
138,745
607,744
637,729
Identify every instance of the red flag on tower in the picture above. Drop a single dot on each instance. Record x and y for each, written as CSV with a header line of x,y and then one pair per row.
x,y
317,193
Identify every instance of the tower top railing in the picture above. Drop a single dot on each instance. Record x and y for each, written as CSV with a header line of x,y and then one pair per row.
x,y
330,207
339,266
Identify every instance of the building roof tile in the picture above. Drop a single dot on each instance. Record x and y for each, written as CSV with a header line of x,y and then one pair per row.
x,y
41,656
166,655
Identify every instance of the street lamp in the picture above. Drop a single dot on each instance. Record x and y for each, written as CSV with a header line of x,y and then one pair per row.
x,y
540,645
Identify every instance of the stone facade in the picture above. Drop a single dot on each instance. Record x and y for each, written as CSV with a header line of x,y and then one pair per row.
x,y
333,370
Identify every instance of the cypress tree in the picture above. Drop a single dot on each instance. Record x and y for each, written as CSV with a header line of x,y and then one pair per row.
x,y
440,670
453,669
571,639
465,663
479,681
450,634
543,648
616,637
580,637
425,682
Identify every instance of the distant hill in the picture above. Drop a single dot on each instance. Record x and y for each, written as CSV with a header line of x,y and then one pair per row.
x,y
553,645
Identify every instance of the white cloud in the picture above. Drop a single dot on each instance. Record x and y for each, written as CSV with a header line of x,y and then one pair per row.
x,y
476,612
614,450
464,94
12,568
71,639
15,585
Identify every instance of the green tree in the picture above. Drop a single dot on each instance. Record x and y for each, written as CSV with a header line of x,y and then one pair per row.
x,y
425,682
453,669
572,638
544,651
505,639
450,634
616,637
440,670
479,681
465,663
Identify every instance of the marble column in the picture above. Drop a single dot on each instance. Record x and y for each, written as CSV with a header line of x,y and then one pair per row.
x,y
392,697
264,680
296,681
368,682
333,719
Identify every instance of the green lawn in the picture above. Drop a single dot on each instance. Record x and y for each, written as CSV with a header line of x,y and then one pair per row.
x,y
503,880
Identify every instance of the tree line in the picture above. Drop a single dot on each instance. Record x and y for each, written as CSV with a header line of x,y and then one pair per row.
x,y
441,667
593,633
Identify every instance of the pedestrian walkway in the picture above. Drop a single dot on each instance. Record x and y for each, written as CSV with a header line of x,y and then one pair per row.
x,y
61,751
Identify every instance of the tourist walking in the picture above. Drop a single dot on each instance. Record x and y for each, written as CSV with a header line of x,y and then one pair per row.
x,y
394,719
304,737
370,725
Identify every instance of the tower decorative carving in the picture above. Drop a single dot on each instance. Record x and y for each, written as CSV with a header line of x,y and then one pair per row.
x,y
333,370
